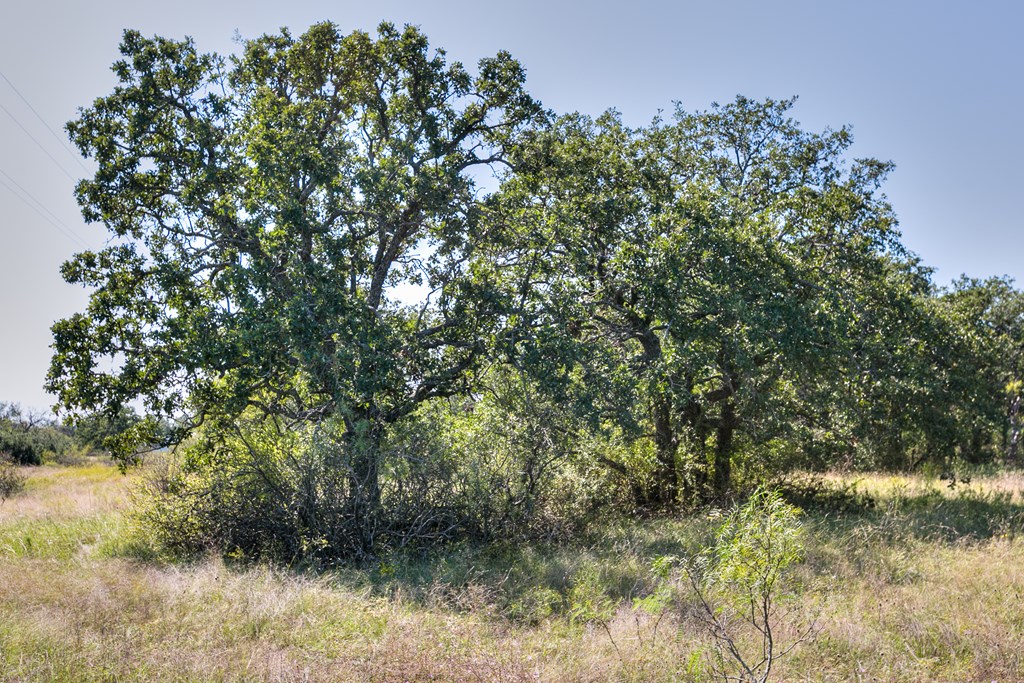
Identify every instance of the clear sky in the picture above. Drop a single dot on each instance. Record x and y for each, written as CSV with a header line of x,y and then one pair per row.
x,y
934,86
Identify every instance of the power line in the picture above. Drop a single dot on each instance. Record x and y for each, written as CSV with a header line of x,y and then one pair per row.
x,y
56,137
52,219
30,196
38,144
64,232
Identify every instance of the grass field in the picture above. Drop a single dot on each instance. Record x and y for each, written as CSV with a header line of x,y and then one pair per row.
x,y
909,581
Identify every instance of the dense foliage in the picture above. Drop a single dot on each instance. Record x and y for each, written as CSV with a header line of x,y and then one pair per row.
x,y
386,300
28,437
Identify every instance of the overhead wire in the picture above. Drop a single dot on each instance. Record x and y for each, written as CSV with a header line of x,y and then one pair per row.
x,y
39,144
24,195
40,209
56,137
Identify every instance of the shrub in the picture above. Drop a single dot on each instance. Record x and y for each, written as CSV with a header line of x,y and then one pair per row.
x,y
20,447
739,585
259,489
455,469
251,491
31,444
12,481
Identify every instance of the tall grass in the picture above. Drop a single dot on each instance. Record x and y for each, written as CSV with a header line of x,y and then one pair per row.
x,y
913,581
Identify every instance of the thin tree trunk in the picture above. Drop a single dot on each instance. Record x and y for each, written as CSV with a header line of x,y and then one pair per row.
x,y
723,449
666,475
693,477
363,441
1015,428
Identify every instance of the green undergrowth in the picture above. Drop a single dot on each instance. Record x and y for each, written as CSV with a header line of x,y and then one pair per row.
x,y
60,539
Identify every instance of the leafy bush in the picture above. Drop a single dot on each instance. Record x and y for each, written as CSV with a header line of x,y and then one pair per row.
x,y
12,481
739,583
503,466
254,490
31,446
21,447
257,488
29,437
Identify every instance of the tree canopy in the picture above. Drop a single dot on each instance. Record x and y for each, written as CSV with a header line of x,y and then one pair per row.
x,y
339,262
711,264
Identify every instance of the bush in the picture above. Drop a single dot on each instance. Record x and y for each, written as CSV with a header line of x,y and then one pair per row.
x,y
739,590
20,447
740,584
256,489
30,445
12,481
453,470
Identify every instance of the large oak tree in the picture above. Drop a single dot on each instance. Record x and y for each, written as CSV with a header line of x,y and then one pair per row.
x,y
293,231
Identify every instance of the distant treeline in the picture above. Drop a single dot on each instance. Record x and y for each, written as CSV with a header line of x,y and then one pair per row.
x,y
30,437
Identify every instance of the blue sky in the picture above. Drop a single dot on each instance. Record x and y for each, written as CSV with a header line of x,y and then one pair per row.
x,y
934,87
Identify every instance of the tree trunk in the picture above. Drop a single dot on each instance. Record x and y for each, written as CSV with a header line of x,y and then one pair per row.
x,y
723,449
694,475
363,440
1016,408
666,475
664,489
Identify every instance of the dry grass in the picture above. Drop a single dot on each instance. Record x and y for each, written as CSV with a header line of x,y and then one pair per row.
x,y
66,492
895,603
116,621
1009,485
